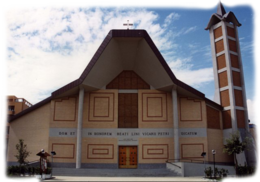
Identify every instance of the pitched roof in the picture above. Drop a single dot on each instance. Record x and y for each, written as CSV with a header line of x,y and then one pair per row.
x,y
127,33
221,15
221,10
35,106
115,34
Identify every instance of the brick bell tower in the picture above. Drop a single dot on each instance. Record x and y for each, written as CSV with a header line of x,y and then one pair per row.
x,y
228,73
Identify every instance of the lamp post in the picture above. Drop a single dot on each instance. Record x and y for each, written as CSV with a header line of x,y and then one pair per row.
x,y
203,154
52,154
214,152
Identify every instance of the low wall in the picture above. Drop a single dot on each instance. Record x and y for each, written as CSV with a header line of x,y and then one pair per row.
x,y
194,169
177,167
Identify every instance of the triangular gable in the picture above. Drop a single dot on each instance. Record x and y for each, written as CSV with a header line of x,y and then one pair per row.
x,y
73,86
128,80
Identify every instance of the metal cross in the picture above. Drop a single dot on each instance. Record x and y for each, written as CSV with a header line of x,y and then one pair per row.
x,y
128,24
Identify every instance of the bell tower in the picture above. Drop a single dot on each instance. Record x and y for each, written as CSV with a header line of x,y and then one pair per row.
x,y
228,74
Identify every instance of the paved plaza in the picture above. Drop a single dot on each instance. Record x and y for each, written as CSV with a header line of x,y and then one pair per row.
x,y
87,178
66,174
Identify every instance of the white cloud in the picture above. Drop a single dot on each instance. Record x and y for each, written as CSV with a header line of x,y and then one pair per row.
x,y
50,47
251,47
171,17
182,68
191,29
251,111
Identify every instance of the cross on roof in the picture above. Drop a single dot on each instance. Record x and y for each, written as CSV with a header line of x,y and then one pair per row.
x,y
128,24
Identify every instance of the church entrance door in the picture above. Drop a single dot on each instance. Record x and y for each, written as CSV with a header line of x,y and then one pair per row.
x,y
127,157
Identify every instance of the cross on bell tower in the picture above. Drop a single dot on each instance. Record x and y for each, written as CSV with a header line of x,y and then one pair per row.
x,y
128,24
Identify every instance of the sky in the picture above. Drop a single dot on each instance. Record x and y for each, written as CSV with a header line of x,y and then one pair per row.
x,y
47,44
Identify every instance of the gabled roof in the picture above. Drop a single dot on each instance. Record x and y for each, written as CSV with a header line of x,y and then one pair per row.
x,y
221,15
118,35
129,34
35,106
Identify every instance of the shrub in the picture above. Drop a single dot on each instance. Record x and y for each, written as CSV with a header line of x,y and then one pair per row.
x,y
23,170
37,170
208,171
33,170
245,170
16,170
221,172
217,173
48,170
29,170
224,172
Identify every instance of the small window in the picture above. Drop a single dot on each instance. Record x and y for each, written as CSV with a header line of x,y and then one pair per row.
x,y
10,108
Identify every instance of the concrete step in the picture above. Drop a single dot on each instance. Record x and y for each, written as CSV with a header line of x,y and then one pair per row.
x,y
114,172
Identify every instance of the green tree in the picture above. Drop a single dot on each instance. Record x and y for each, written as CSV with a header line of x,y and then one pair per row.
x,y
234,146
22,152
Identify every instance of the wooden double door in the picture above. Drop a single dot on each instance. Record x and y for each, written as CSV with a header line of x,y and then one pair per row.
x,y
127,157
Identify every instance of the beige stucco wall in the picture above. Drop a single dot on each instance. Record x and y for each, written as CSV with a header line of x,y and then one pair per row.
x,y
100,109
154,109
191,148
192,113
64,112
156,150
99,150
33,128
65,149
215,142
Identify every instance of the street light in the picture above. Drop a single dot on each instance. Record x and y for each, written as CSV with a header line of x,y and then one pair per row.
x,y
203,154
214,152
52,154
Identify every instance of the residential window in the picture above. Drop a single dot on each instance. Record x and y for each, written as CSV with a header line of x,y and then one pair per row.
x,y
10,108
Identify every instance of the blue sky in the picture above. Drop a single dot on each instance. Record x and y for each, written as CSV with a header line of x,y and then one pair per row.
x,y
51,45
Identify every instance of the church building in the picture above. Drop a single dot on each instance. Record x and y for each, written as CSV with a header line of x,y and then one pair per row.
x,y
129,110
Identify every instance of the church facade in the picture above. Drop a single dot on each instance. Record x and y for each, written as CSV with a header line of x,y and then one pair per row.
x,y
128,110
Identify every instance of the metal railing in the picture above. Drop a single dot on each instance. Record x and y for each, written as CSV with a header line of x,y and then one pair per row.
x,y
185,160
171,161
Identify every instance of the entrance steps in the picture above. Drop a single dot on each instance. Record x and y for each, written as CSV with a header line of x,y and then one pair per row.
x,y
114,172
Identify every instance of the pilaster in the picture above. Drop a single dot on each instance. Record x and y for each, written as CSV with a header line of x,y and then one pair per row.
x,y
175,124
79,129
